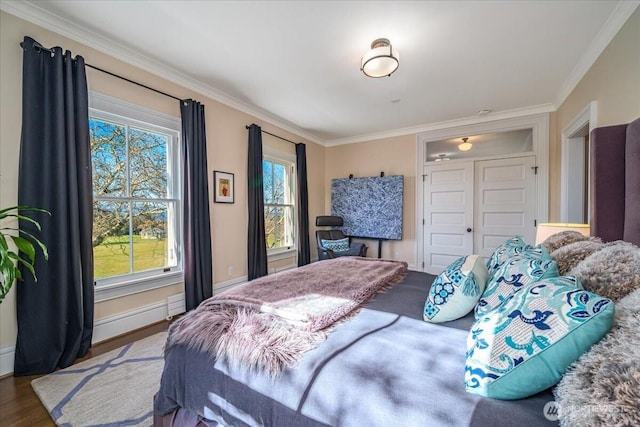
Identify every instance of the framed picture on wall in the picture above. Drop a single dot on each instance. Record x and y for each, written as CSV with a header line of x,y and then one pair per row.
x,y
223,187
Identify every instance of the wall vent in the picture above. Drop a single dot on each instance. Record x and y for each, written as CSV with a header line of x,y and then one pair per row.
x,y
176,305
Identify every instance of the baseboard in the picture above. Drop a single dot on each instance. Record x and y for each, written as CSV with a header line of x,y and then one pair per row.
x,y
7,354
103,329
119,324
223,286
282,268
122,323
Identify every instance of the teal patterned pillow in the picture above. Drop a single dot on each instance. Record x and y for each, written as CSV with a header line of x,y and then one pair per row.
x,y
526,345
456,290
512,247
338,246
516,273
506,250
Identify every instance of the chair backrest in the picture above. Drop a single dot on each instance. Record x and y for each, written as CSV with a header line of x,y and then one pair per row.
x,y
328,221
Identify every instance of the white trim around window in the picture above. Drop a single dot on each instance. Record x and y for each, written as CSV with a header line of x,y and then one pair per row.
x,y
108,108
288,160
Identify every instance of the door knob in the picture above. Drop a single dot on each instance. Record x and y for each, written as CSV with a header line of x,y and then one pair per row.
x,y
469,230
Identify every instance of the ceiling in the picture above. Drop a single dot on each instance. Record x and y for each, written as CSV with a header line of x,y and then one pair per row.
x,y
296,64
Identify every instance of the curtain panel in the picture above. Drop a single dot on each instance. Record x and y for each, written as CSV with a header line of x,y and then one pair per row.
x,y
198,280
256,241
304,248
55,315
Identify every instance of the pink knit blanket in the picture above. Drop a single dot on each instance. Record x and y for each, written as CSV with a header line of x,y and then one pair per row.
x,y
270,322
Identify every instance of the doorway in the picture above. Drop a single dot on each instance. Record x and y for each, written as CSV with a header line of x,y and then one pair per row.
x,y
539,148
574,194
474,206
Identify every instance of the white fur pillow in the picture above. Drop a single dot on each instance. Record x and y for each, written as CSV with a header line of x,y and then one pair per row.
x,y
568,256
561,239
613,271
602,388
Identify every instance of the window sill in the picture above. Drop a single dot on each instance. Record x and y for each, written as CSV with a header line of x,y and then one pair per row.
x,y
135,286
278,254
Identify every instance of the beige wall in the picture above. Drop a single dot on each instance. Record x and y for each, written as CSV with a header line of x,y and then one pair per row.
x,y
226,151
393,156
614,82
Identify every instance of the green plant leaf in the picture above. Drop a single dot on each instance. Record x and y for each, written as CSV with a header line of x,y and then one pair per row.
x,y
25,246
25,263
42,246
10,261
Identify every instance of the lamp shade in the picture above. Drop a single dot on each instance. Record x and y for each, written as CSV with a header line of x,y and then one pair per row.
x,y
545,230
381,60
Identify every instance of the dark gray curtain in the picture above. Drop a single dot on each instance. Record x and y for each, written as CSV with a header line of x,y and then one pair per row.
x,y
198,281
257,245
55,315
304,251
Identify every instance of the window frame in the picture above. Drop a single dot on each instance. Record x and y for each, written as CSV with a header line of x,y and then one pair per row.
x,y
288,160
103,107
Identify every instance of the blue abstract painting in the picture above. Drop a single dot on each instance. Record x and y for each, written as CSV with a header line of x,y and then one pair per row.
x,y
371,207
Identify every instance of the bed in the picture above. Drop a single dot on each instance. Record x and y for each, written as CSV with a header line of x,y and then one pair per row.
x,y
384,365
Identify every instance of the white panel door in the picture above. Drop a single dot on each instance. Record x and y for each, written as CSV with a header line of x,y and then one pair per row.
x,y
505,202
448,214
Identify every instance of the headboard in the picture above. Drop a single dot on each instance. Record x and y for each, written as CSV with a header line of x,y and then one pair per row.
x,y
615,182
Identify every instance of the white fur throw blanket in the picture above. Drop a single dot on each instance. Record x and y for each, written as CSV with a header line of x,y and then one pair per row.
x,y
270,322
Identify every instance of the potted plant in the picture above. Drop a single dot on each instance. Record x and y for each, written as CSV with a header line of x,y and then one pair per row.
x,y
26,255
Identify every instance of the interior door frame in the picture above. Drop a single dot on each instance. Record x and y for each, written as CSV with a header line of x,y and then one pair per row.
x,y
538,123
587,117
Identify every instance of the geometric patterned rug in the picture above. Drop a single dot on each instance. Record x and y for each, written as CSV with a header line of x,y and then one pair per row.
x,y
113,389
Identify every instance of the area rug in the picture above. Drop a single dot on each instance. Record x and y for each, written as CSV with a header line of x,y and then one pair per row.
x,y
113,389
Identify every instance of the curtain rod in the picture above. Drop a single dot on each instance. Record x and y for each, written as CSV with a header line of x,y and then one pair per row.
x,y
279,137
39,46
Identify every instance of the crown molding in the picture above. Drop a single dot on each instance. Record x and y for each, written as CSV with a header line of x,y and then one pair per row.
x,y
500,115
30,11
614,23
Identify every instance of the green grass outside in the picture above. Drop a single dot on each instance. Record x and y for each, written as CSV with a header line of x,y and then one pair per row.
x,y
111,258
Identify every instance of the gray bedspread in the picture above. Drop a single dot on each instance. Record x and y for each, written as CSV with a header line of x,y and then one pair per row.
x,y
384,367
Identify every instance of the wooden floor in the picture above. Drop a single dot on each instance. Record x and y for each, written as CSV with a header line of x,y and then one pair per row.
x,y
19,405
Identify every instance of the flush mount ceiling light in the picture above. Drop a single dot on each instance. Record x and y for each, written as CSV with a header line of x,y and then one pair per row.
x,y
381,60
465,146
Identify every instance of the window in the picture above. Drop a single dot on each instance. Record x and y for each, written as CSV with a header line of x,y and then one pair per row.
x,y
135,157
279,206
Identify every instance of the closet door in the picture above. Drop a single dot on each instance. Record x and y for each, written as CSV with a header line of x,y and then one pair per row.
x,y
505,202
448,214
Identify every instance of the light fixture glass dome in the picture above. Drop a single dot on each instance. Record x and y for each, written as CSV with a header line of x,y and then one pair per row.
x,y
381,60
465,146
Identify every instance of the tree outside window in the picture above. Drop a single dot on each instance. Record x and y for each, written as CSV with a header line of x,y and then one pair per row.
x,y
279,207
135,209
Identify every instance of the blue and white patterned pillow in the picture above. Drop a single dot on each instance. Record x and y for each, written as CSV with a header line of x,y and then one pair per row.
x,y
506,250
338,246
526,345
514,246
513,275
456,290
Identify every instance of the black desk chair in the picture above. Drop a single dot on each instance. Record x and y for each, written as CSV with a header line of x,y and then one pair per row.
x,y
333,243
